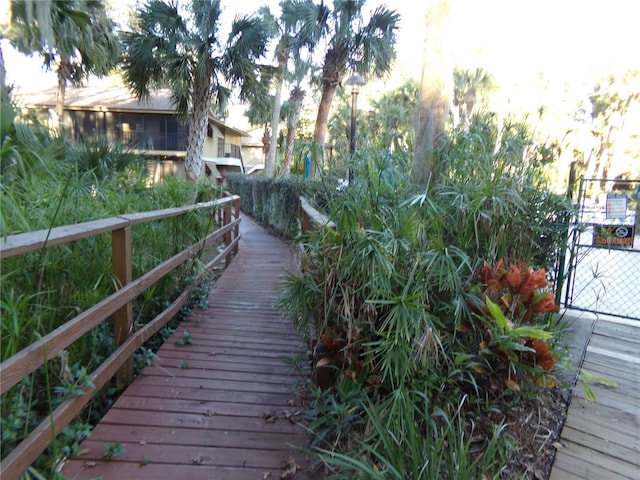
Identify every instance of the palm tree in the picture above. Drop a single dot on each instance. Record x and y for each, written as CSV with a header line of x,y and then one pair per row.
x,y
367,48
293,107
74,37
300,28
392,129
467,85
294,110
259,111
181,50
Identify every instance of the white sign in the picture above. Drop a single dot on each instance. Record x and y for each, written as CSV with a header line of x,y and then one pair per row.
x,y
616,206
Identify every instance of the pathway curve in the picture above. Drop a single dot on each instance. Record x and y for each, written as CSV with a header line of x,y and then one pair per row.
x,y
223,407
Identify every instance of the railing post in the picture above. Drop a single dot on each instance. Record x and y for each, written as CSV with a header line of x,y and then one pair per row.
x,y
123,318
236,229
305,222
228,235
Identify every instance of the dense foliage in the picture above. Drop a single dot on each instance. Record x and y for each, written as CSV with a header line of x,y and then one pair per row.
x,y
430,309
274,203
47,182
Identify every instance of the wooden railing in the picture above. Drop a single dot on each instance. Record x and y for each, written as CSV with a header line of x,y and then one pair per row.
x,y
310,217
118,305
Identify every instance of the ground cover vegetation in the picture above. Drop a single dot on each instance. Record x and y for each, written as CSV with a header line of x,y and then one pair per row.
x,y
430,309
49,182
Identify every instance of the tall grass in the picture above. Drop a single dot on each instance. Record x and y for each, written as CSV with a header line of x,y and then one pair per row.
x,y
406,439
394,299
48,182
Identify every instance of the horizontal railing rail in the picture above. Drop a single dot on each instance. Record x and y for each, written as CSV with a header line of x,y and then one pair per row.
x,y
117,306
229,150
310,217
152,141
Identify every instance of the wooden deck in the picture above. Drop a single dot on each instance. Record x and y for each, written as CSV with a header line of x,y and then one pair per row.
x,y
601,440
223,407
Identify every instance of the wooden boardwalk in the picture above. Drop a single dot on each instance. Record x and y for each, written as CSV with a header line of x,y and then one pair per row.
x,y
223,407
601,440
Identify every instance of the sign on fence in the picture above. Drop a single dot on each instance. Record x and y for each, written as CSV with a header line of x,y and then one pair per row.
x,y
613,235
616,206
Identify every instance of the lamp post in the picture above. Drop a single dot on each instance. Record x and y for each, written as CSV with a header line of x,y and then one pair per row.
x,y
355,81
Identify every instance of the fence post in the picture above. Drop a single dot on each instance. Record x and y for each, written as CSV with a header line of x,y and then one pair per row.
x,y
566,219
123,318
228,235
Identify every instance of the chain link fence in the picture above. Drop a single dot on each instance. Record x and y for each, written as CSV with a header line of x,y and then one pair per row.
x,y
603,264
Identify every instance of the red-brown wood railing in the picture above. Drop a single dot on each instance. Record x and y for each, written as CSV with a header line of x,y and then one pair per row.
x,y
118,305
310,217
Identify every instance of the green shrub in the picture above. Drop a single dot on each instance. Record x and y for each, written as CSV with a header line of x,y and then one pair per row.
x,y
395,299
274,202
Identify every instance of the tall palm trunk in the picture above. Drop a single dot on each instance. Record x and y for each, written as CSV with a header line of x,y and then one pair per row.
x,y
266,142
63,74
197,128
435,91
297,97
321,128
269,167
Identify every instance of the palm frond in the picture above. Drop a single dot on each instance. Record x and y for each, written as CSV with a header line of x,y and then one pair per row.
x,y
377,41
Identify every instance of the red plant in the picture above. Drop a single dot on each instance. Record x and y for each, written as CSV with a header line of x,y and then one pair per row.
x,y
519,290
513,294
331,340
543,356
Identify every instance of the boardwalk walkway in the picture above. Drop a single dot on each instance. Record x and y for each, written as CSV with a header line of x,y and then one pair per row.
x,y
601,440
222,407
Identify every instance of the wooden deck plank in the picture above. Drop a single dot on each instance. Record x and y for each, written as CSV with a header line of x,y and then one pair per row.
x,y
622,425
223,406
176,371
208,395
205,407
610,359
595,459
613,398
223,363
583,467
601,439
618,345
617,330
616,450
156,471
141,453
208,420
196,437
270,356
620,377
561,473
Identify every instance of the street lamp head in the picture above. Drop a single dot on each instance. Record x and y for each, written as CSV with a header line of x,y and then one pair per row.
x,y
355,81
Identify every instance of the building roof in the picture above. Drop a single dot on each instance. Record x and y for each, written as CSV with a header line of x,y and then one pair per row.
x,y
100,98
114,99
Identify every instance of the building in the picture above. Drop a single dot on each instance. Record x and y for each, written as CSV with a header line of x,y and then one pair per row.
x,y
148,127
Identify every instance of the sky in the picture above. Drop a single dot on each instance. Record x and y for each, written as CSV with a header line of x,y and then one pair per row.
x,y
522,43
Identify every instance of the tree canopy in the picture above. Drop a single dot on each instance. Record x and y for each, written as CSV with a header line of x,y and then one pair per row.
x,y
75,38
182,50
355,44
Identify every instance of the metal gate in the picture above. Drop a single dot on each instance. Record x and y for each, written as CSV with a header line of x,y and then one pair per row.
x,y
603,264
